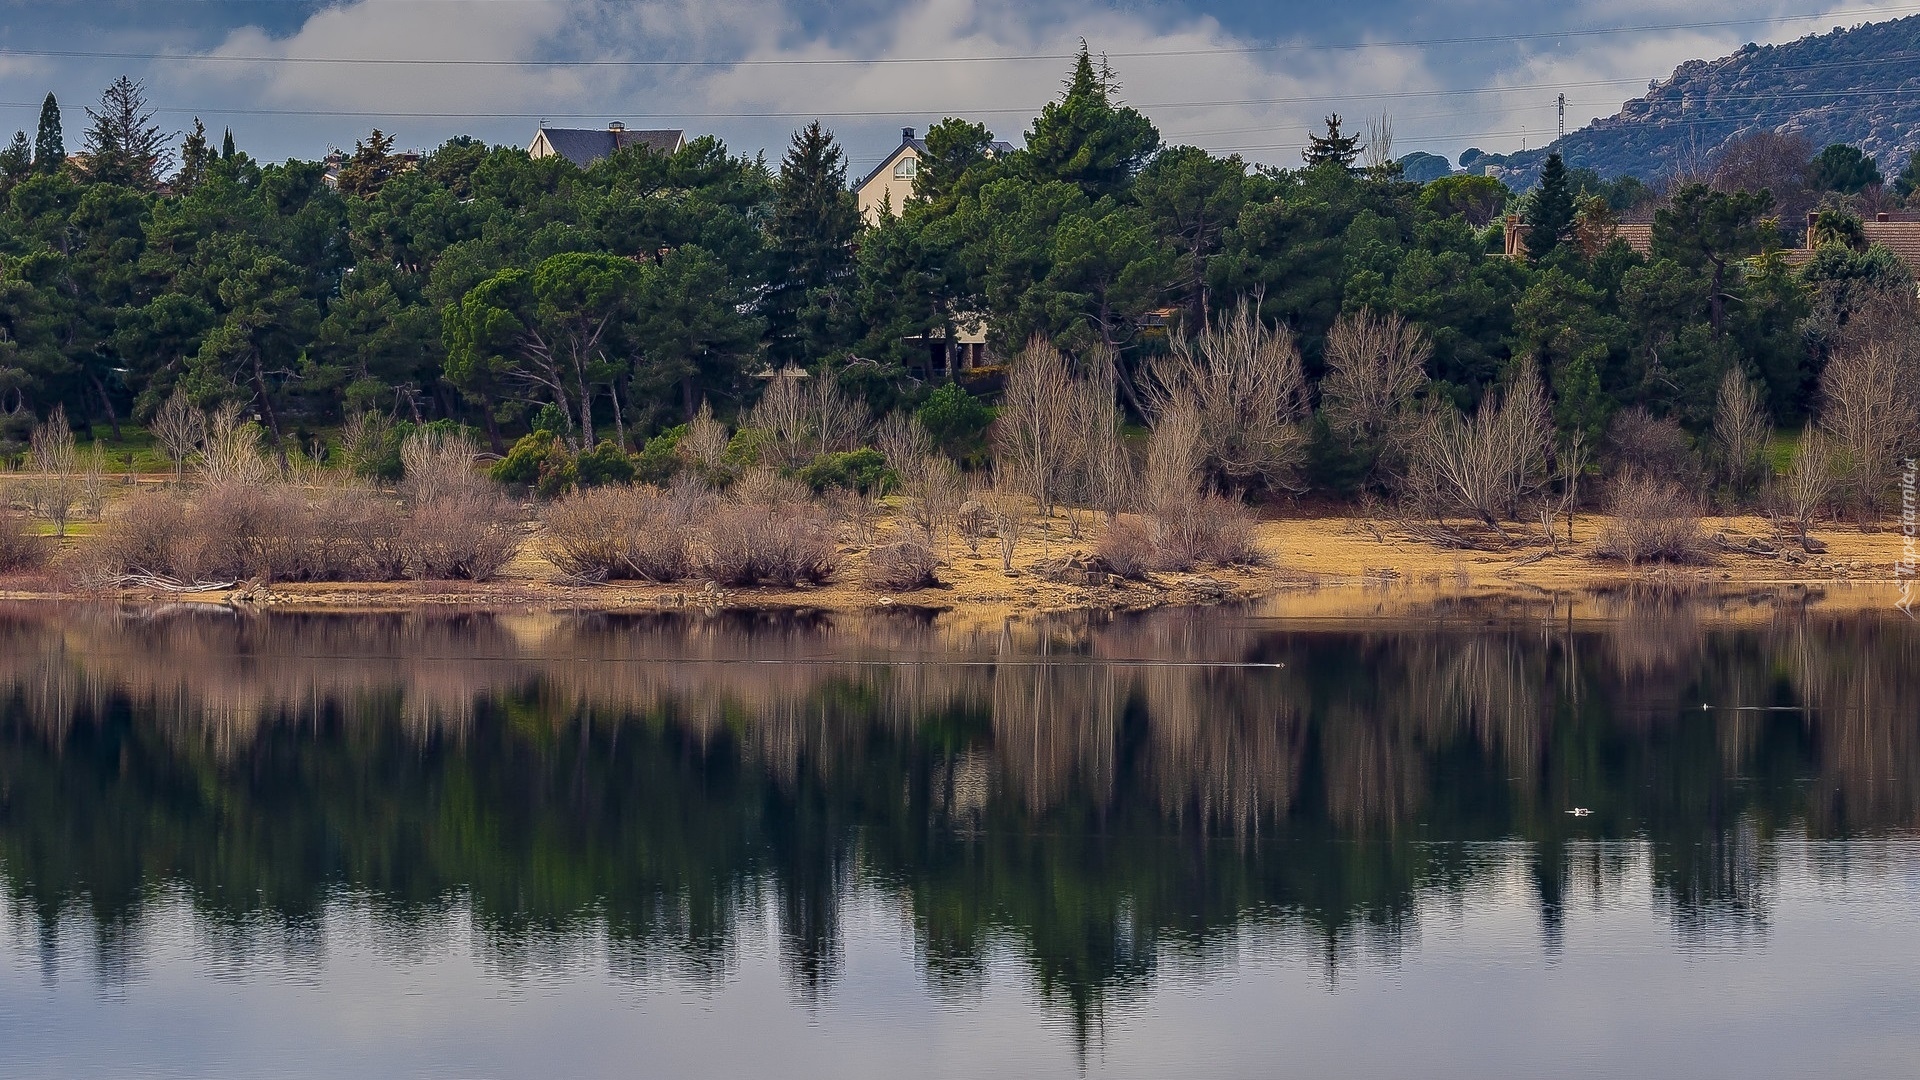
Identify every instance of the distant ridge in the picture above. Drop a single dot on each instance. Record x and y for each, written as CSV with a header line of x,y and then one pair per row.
x,y
1858,85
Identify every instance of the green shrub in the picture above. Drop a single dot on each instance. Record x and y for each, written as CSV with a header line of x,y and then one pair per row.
x,y
660,458
744,450
606,464
864,470
957,421
538,461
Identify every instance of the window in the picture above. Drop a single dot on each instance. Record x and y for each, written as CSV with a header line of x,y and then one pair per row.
x,y
906,168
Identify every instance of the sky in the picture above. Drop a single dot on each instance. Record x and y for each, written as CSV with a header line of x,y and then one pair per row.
x,y
1244,76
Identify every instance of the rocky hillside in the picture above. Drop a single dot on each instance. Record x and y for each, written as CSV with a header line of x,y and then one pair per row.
x,y
1859,86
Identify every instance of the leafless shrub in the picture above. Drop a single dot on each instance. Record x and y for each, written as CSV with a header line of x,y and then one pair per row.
x,y
1484,466
764,486
933,488
971,521
437,465
1870,404
179,428
1036,436
704,446
1639,442
365,535
616,532
20,549
1741,427
1175,455
1246,383
900,438
768,543
471,538
145,537
906,564
56,489
1201,530
807,417
1007,510
1651,519
231,451
1105,480
1375,366
1809,484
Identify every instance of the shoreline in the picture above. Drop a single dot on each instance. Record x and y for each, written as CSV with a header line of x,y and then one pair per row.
x,y
1324,565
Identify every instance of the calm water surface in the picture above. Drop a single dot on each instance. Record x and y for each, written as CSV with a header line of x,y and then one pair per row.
x,y
1183,844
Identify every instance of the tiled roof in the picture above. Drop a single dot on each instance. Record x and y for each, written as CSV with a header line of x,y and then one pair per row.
x,y
1900,237
584,146
1638,237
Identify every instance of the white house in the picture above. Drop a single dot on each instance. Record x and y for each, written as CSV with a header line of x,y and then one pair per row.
x,y
891,182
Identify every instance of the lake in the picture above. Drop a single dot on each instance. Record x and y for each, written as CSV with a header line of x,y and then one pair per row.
x,y
1632,836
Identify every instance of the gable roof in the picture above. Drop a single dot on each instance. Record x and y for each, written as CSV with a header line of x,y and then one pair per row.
x,y
919,148
584,146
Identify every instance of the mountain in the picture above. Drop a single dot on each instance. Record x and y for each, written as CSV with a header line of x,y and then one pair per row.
x,y
1859,85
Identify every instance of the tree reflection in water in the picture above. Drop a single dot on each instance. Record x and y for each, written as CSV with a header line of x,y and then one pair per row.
x,y
1105,797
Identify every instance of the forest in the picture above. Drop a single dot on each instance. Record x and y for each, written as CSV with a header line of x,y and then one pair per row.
x,y
1327,331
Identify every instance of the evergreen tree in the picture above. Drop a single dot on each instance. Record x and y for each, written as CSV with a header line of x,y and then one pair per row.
x,y
370,167
1844,169
194,156
123,144
811,234
1333,147
49,148
16,161
1549,216
226,145
1908,181
953,147
1085,139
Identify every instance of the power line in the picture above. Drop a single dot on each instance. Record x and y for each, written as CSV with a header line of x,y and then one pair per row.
x,y
1276,47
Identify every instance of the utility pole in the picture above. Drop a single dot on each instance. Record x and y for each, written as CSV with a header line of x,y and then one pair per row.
x,y
1563,115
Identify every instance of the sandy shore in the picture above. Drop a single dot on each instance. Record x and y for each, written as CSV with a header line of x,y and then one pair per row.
x,y
1314,566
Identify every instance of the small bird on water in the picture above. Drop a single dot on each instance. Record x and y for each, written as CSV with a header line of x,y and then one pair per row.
x,y
1580,811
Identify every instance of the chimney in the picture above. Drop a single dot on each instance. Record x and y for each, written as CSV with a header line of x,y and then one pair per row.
x,y
1812,215
1881,217
906,135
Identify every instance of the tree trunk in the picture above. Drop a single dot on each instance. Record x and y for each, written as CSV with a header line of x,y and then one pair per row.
x,y
113,418
494,440
266,407
619,418
586,409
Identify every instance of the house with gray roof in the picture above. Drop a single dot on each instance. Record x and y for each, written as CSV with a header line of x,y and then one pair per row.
x,y
584,146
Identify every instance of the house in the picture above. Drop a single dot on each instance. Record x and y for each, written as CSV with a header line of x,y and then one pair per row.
x,y
584,146
891,182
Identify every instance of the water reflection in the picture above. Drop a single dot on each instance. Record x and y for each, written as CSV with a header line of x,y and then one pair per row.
x,y
1103,798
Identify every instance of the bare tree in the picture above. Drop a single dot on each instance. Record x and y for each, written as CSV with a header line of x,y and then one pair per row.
x,y
1036,437
836,420
179,428
781,412
231,451
56,489
1484,466
704,446
1379,149
901,438
1375,366
1246,382
1741,427
1870,404
93,480
1176,454
1809,484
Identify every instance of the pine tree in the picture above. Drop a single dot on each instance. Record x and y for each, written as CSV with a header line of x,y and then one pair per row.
x,y
49,148
194,156
370,167
1087,139
1333,147
16,161
226,145
811,231
123,145
1549,216
1908,181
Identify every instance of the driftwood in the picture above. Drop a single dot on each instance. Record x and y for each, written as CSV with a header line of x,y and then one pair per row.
x,y
160,583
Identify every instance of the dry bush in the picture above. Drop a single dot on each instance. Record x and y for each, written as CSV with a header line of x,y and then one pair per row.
x,y
934,489
231,453
1246,383
179,428
1201,530
436,465
470,538
768,543
704,446
1484,466
20,549
145,537
1870,404
1651,519
616,533
1375,366
1809,483
54,492
764,486
1639,442
242,530
367,534
1037,434
1741,427
901,566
